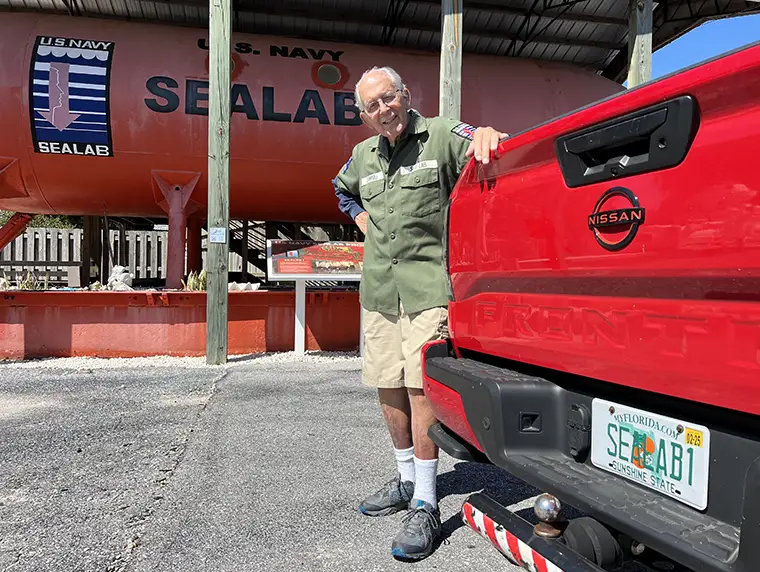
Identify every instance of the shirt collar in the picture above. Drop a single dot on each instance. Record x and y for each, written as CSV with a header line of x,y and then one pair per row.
x,y
417,124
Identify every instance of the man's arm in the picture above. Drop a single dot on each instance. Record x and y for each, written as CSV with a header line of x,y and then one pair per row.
x,y
349,201
468,141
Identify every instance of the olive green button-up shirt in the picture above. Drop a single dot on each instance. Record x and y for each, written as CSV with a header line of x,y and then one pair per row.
x,y
404,189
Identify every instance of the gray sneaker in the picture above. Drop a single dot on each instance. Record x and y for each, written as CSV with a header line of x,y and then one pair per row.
x,y
392,497
422,527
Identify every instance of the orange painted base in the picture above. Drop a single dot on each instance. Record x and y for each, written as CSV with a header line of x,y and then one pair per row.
x,y
133,324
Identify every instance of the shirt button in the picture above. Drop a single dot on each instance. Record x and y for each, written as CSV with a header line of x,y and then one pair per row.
x,y
393,236
390,210
394,261
390,185
416,179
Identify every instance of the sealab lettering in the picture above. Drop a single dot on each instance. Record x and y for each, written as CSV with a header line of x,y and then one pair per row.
x,y
56,148
663,458
311,106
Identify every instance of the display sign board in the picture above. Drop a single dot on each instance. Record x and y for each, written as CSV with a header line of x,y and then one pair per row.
x,y
312,260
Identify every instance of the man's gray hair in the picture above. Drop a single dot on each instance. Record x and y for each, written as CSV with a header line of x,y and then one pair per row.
x,y
395,78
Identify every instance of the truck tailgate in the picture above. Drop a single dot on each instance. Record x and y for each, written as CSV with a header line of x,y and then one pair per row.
x,y
622,242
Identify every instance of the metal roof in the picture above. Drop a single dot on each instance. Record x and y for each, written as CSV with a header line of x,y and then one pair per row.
x,y
589,33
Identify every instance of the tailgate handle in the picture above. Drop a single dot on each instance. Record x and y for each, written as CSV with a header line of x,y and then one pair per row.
x,y
654,138
622,138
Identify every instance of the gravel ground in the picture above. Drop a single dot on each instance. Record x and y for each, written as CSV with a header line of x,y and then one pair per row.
x,y
162,464
86,456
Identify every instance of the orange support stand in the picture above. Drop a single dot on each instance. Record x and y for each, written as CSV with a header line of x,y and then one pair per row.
x,y
13,228
172,191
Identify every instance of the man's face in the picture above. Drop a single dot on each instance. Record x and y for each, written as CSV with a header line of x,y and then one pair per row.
x,y
386,109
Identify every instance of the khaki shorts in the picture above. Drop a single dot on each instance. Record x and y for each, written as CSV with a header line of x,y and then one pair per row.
x,y
392,346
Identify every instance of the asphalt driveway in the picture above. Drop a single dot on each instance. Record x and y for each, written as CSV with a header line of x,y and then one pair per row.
x,y
171,465
167,464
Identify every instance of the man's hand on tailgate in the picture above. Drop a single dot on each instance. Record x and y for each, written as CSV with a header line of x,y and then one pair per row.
x,y
485,141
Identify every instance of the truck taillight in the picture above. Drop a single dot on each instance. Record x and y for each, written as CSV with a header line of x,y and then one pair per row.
x,y
446,403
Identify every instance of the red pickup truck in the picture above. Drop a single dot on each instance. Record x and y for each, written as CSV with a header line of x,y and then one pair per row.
x,y
605,328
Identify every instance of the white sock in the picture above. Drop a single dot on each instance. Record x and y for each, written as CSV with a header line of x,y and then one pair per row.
x,y
405,463
424,489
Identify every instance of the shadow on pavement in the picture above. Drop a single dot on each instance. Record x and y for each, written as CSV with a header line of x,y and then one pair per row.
x,y
469,478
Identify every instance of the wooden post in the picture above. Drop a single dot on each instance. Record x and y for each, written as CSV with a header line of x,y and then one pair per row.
x,y
91,248
217,257
84,269
451,59
299,343
640,42
270,230
194,245
122,244
244,250
104,251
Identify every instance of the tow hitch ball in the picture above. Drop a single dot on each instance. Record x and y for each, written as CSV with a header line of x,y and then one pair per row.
x,y
547,509
586,536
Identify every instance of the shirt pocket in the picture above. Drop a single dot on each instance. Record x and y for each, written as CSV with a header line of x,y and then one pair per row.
x,y
373,198
421,192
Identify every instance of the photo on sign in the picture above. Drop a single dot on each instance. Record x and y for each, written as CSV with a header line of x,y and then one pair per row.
x,y
308,259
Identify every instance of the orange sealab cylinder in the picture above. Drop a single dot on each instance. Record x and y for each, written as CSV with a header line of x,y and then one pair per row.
x,y
94,111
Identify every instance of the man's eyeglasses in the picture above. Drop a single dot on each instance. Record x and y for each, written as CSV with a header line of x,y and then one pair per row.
x,y
373,106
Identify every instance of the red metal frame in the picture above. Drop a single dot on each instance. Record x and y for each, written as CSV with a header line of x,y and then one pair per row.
x,y
133,324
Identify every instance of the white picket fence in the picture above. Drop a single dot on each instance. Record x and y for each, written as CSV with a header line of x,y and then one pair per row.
x,y
52,252
42,251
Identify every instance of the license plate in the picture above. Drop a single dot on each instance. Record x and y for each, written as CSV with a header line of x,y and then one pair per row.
x,y
664,454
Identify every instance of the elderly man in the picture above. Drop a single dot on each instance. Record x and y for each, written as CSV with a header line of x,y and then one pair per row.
x,y
395,186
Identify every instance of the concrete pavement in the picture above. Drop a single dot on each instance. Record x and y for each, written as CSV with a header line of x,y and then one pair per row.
x,y
259,465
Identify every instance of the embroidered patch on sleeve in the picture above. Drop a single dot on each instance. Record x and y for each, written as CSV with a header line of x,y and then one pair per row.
x,y
464,130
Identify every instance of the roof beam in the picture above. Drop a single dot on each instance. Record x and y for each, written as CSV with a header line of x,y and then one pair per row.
x,y
521,12
481,6
475,5
393,16
364,20
361,19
